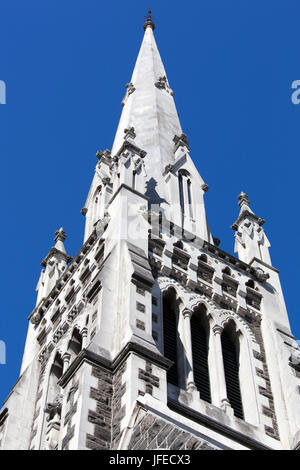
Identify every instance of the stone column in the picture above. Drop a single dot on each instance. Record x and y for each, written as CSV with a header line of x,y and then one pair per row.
x,y
190,383
222,400
66,361
84,333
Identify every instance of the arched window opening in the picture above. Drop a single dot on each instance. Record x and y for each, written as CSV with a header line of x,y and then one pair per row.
x,y
133,179
230,350
181,195
96,208
203,258
75,344
55,374
250,283
170,321
200,332
229,285
185,193
227,271
179,244
53,406
190,197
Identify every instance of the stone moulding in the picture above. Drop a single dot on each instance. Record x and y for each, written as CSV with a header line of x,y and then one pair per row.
x,y
88,356
216,426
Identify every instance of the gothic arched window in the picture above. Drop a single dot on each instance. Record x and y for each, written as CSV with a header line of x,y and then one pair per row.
x,y
189,191
75,344
230,350
185,193
170,320
97,202
55,374
199,334
181,193
227,271
250,283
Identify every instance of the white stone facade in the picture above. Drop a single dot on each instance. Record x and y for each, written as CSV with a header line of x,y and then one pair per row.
x,y
96,366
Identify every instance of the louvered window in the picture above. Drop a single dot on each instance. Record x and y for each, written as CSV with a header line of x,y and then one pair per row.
x,y
181,197
200,358
185,193
231,369
170,340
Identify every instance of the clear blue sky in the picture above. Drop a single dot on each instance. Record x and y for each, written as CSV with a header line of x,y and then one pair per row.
x,y
65,63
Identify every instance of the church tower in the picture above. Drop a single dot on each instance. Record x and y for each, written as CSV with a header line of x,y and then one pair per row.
x,y
152,337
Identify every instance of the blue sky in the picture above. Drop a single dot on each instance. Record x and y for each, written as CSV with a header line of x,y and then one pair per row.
x,y
65,65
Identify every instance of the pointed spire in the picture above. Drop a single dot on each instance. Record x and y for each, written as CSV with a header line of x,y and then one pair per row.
x,y
54,265
149,23
243,199
149,107
59,240
58,251
244,203
250,239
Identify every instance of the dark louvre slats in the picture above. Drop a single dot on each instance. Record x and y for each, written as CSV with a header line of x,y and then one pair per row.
x,y
200,358
170,340
231,369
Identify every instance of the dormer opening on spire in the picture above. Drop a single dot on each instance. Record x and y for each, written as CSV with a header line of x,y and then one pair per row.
x,y
185,193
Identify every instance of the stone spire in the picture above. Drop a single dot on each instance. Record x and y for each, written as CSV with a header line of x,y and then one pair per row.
x,y
149,107
250,239
60,236
54,265
150,152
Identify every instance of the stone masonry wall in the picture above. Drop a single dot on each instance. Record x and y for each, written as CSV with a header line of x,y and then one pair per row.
x,y
109,410
155,433
101,418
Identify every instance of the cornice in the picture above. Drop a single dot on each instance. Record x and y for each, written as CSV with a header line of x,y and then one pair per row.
x,y
124,186
65,277
244,215
55,251
93,358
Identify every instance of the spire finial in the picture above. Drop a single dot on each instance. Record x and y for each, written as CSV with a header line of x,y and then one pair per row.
x,y
243,199
60,235
149,21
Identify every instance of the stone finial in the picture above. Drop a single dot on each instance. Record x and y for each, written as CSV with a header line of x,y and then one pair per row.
x,y
149,22
181,141
102,155
129,133
243,199
130,88
60,236
162,83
